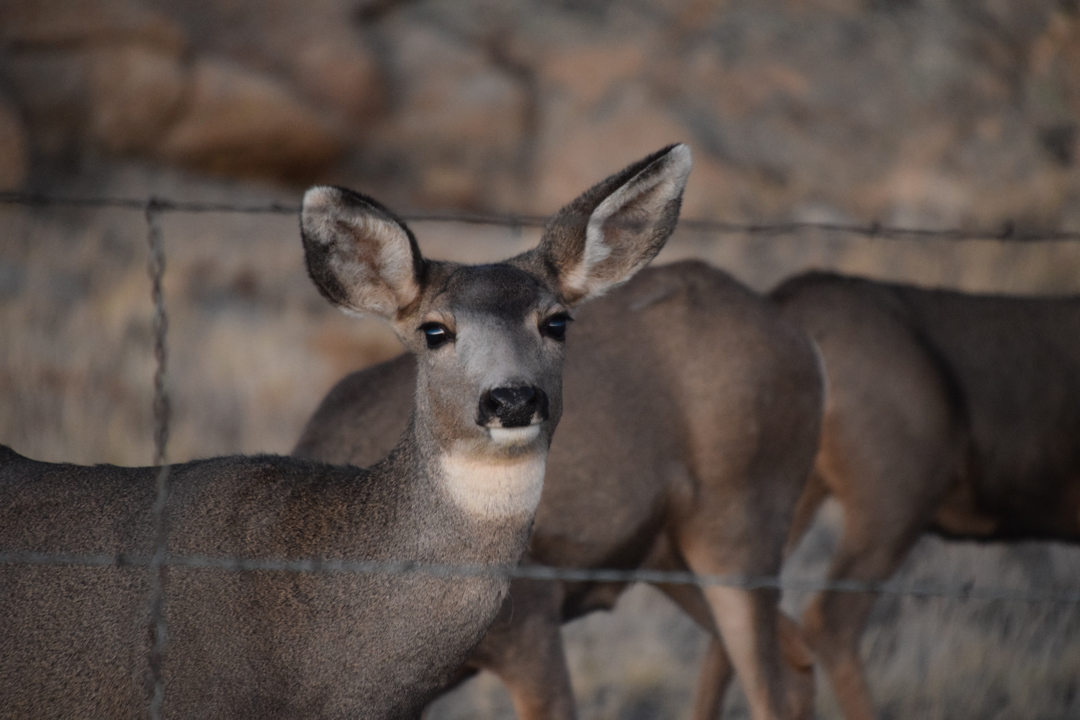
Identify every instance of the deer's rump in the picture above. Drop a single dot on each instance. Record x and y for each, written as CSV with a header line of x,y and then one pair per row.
x,y
1001,373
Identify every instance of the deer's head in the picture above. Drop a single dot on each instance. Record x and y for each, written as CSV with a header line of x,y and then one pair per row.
x,y
489,338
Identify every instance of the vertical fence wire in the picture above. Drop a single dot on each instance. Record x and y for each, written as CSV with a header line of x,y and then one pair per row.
x,y
158,626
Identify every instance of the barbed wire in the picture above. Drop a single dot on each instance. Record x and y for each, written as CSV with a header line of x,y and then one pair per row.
x,y
956,591
160,204
1006,231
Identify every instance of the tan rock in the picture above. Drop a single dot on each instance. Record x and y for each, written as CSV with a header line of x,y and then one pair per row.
x,y
115,77
459,122
134,95
341,75
64,24
50,90
106,74
588,72
583,141
237,122
118,98
314,44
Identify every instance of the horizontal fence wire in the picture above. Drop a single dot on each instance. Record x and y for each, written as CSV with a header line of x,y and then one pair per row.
x,y
1006,231
155,206
966,591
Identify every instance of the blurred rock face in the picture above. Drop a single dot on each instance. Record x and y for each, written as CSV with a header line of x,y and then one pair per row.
x,y
115,77
927,112
14,153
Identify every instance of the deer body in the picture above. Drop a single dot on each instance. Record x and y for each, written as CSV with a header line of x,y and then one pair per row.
x,y
946,411
461,488
690,425
313,651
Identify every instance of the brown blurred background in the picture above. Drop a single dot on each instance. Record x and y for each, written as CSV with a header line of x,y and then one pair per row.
x,y
917,113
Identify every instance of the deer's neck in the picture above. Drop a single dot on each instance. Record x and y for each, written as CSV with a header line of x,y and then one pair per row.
x,y
493,489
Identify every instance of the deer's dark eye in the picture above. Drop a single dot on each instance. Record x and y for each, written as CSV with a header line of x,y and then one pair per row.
x,y
555,326
436,334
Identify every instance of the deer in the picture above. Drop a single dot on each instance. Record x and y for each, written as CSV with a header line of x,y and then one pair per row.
x,y
460,487
946,412
692,420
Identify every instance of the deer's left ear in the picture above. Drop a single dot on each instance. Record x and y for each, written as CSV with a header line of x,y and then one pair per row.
x,y
615,228
359,254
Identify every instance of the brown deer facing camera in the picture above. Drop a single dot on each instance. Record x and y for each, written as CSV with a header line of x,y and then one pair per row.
x,y
461,487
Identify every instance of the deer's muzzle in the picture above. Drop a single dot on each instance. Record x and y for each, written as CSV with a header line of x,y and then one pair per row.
x,y
512,407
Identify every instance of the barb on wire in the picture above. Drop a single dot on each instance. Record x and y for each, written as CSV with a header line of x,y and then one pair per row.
x,y
1008,230
159,628
958,591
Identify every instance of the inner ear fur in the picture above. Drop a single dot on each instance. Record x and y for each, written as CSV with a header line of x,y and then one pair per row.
x,y
361,256
615,228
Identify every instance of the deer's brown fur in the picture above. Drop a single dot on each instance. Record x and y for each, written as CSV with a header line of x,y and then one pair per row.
x,y
946,411
691,422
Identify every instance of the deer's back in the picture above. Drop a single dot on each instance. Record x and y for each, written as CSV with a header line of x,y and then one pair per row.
x,y
1017,364
1006,368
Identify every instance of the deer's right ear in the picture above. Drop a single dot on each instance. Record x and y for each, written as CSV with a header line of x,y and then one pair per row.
x,y
359,254
615,228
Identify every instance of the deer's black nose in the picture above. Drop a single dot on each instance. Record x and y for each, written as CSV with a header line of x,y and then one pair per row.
x,y
512,406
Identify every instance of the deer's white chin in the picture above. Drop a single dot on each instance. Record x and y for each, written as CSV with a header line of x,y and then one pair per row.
x,y
514,436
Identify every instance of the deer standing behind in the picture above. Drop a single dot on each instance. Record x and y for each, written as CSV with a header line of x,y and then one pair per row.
x,y
461,487
946,411
691,422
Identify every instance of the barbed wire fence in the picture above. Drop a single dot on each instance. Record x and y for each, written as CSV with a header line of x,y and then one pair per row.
x,y
1007,231
154,208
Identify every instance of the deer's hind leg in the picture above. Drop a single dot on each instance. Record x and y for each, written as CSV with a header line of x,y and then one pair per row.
x,y
889,483
736,534
876,538
716,670
753,638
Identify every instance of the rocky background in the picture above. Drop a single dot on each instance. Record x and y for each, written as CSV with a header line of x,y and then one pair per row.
x,y
917,113
904,111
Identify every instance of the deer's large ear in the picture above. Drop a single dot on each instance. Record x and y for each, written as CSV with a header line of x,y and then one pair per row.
x,y
615,228
360,256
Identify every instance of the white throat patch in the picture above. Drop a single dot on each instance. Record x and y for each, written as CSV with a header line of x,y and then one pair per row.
x,y
489,488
